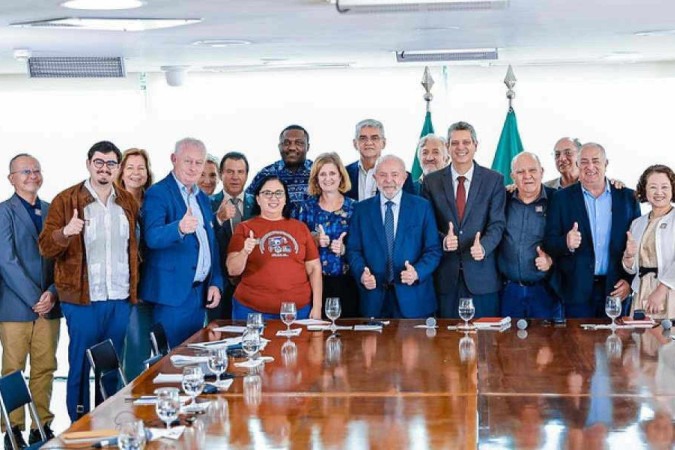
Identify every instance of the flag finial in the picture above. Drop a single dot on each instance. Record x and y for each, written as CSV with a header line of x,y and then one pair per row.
x,y
510,82
427,84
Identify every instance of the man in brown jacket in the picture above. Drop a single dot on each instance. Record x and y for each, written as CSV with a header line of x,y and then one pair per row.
x,y
90,232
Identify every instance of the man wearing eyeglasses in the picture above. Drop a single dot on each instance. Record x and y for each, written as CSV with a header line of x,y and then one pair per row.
x,y
369,141
90,232
29,311
293,168
565,152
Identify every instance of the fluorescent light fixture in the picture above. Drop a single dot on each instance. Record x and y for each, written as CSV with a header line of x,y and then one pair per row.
x,y
102,4
217,43
467,54
374,6
76,67
652,33
106,24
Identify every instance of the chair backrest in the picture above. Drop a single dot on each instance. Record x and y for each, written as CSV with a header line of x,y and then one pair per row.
x,y
152,360
14,394
104,360
158,341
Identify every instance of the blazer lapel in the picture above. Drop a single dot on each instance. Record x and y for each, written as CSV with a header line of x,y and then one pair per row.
x,y
474,189
377,222
22,214
449,189
584,221
403,223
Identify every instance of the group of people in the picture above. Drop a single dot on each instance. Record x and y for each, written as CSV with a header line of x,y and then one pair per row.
x,y
116,252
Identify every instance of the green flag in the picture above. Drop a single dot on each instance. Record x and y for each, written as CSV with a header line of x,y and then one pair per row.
x,y
427,128
509,146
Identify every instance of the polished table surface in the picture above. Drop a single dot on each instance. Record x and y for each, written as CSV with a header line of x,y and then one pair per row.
x,y
406,387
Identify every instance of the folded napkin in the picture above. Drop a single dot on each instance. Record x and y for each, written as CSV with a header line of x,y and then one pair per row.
x,y
308,322
168,378
152,399
231,329
367,328
327,327
81,437
291,332
223,385
210,344
461,328
425,326
253,362
162,433
183,360
603,326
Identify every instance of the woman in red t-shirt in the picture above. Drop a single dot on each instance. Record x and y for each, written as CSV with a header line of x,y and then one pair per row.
x,y
276,258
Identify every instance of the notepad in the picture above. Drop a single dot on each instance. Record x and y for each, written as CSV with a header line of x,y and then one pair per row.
x,y
231,329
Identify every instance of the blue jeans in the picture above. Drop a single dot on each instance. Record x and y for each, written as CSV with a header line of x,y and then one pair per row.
x,y
240,312
529,302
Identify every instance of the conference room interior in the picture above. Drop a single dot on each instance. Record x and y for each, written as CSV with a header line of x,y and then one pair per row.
x,y
622,101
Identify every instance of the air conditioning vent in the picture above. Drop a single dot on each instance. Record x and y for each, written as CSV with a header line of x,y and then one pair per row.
x,y
76,67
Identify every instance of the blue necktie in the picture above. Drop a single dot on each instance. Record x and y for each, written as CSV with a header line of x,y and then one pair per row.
x,y
389,233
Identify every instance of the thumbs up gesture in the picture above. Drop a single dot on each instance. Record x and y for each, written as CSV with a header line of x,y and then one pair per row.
x,y
409,274
631,246
337,246
75,226
368,279
226,210
324,239
250,243
477,250
574,238
450,242
542,261
188,224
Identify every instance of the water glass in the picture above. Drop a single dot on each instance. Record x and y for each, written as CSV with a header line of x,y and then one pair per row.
x,y
252,390
466,310
168,404
289,353
467,349
333,310
613,308
255,320
218,361
250,342
613,346
132,435
288,315
333,351
193,384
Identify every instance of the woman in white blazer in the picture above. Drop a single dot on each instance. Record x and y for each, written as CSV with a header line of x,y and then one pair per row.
x,y
650,247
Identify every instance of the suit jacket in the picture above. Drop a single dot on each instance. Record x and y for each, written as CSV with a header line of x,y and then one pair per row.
x,y
353,172
484,213
416,241
573,276
24,274
171,260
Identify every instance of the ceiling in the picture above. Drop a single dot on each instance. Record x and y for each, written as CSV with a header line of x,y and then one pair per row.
x,y
299,33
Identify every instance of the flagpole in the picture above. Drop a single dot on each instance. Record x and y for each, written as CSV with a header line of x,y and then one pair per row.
x,y
427,84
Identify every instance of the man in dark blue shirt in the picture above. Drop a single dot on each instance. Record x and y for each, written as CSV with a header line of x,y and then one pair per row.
x,y
522,261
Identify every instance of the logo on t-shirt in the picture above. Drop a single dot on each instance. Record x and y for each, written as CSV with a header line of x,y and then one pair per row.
x,y
279,244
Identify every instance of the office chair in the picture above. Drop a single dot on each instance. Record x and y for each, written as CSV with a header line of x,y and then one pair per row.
x,y
158,341
14,394
104,361
152,360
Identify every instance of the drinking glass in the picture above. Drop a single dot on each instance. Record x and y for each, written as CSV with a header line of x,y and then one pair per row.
x,y
613,309
613,346
467,348
466,310
289,353
333,311
255,320
168,404
288,315
218,362
250,342
252,390
333,351
132,435
193,385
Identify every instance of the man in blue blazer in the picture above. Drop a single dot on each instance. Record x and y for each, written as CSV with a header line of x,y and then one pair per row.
x,y
181,271
29,310
468,202
369,140
586,235
393,248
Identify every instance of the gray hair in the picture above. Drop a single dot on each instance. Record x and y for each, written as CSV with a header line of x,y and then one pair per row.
x,y
189,142
368,123
575,141
20,155
463,126
389,157
515,159
595,144
423,141
212,159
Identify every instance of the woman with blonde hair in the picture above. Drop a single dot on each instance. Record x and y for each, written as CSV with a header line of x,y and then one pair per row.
x,y
135,175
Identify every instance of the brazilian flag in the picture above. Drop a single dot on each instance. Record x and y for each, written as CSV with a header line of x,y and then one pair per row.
x,y
509,146
427,128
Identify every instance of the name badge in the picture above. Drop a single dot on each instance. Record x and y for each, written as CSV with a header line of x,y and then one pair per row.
x,y
663,226
539,209
38,212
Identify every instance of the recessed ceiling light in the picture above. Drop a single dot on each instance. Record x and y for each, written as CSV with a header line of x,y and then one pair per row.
x,y
221,42
102,4
655,33
106,24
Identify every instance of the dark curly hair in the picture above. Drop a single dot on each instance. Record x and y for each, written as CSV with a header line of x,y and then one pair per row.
x,y
286,211
641,190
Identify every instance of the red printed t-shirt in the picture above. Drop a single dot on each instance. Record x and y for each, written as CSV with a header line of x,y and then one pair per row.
x,y
275,271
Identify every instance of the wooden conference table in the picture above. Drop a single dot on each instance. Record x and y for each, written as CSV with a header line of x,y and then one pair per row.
x,y
412,388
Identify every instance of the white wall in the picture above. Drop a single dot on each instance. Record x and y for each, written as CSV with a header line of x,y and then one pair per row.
x,y
627,108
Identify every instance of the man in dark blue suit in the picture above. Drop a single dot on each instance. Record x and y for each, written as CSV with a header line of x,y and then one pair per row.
x,y
432,153
586,235
369,140
182,263
393,248
468,202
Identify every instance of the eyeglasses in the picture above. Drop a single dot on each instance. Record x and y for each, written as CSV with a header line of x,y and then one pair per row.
x,y
99,163
27,172
567,153
269,194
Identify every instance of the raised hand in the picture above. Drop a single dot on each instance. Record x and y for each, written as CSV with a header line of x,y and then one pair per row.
x,y
450,242
409,274
75,226
337,246
574,237
477,251
542,261
324,239
188,224
368,279
226,210
631,246
250,243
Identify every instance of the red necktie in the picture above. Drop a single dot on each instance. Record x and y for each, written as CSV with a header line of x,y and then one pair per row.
x,y
461,197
